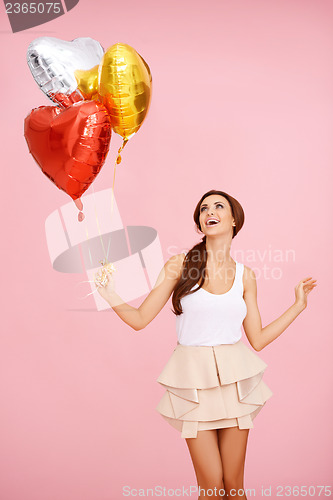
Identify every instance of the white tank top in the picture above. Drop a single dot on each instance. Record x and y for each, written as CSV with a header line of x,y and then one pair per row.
x,y
211,319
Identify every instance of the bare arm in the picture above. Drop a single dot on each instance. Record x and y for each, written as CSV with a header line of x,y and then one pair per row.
x,y
139,318
258,336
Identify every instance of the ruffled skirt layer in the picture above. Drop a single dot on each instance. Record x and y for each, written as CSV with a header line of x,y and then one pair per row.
x,y
212,387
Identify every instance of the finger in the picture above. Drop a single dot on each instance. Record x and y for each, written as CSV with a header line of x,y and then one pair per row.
x,y
309,285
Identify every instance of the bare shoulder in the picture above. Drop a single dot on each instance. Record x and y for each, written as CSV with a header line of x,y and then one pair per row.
x,y
162,290
249,279
174,266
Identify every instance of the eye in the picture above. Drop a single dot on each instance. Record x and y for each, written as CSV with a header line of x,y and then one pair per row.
x,y
218,205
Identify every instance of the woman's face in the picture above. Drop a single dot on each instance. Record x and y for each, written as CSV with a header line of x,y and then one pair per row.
x,y
215,207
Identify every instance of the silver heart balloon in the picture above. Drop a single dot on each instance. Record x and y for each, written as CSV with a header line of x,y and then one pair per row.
x,y
53,63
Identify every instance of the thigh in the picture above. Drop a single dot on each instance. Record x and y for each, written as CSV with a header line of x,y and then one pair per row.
x,y
206,458
232,444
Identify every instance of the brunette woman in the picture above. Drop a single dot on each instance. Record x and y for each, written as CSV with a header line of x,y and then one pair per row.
x,y
213,381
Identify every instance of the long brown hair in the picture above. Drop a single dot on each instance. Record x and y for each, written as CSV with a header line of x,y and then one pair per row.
x,y
194,266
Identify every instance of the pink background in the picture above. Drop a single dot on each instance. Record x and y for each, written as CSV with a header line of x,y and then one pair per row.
x,y
242,102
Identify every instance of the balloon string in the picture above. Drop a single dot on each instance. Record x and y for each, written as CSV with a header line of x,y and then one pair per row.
x,y
118,160
98,225
91,293
99,231
114,177
87,238
125,141
86,281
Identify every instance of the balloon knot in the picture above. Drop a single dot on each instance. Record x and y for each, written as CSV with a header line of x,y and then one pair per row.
x,y
80,217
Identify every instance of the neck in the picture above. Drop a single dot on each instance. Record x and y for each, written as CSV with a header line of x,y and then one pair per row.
x,y
218,250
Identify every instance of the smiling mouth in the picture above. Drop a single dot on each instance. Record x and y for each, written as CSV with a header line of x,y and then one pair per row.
x,y
212,223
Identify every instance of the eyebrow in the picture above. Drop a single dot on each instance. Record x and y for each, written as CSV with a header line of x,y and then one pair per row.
x,y
205,204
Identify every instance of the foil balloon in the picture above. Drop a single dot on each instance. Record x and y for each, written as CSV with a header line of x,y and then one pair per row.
x,y
87,82
53,63
70,145
124,87
148,69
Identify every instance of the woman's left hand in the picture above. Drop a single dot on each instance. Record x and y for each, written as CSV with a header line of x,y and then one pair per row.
x,y
303,289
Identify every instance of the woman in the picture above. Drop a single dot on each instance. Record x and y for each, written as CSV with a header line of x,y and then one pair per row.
x,y
213,381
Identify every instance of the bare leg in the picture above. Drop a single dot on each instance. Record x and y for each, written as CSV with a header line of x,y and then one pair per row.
x,y
206,459
232,443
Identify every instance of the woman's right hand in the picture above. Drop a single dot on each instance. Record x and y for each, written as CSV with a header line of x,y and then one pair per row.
x,y
106,290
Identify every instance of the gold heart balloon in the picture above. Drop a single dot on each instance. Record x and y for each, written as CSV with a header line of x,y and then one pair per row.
x,y
123,83
87,82
124,87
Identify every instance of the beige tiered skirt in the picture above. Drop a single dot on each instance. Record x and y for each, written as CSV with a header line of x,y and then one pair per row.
x,y
212,387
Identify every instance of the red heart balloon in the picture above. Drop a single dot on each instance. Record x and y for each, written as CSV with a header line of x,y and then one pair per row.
x,y
70,145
